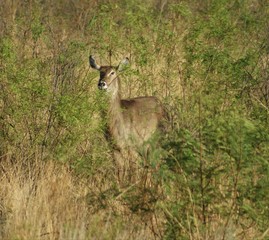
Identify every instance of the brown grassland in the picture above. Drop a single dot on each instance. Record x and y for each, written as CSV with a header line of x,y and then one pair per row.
x,y
207,178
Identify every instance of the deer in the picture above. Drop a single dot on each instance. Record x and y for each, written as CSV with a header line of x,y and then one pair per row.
x,y
131,122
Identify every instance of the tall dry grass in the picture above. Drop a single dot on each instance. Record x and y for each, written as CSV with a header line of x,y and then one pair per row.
x,y
46,200
43,201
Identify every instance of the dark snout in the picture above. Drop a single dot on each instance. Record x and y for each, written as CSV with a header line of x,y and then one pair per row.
x,y
102,85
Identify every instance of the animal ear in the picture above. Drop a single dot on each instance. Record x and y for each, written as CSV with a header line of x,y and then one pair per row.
x,y
93,64
123,64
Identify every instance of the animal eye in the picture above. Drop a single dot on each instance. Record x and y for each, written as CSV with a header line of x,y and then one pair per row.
x,y
112,73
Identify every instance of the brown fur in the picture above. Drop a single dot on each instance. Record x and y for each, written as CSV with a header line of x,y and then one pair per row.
x,y
131,122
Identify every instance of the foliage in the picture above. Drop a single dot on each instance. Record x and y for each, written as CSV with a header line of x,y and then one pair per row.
x,y
207,178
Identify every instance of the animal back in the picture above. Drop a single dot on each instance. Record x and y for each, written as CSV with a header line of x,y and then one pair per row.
x,y
141,117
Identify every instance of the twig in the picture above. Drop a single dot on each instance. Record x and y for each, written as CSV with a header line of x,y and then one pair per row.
x,y
265,234
126,190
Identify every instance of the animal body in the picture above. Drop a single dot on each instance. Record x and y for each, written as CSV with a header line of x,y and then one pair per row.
x,y
131,122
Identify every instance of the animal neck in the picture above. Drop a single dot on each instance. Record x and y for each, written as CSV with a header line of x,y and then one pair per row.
x,y
115,119
114,111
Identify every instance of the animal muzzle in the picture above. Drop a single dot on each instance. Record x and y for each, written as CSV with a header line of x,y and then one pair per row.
x,y
102,85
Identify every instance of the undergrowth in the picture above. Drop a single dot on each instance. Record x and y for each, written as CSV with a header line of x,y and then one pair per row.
x,y
207,61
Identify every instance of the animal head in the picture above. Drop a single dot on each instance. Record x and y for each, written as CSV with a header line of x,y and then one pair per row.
x,y
109,79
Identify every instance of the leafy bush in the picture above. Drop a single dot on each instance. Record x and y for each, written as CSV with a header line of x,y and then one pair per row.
x,y
206,60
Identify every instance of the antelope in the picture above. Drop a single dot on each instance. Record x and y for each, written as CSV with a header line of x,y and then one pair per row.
x,y
131,122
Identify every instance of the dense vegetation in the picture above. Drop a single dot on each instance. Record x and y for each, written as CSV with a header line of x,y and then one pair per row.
x,y
207,60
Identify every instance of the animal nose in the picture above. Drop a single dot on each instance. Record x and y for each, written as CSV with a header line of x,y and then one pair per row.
x,y
102,85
